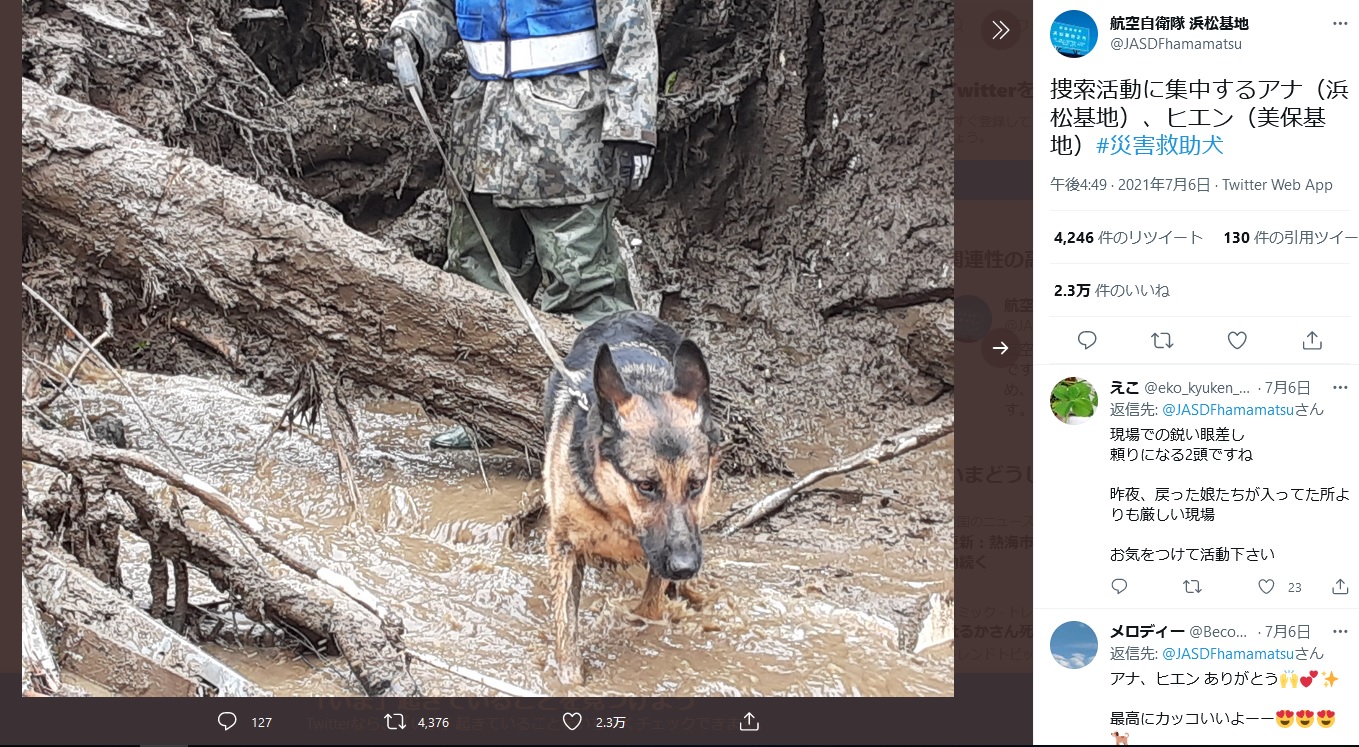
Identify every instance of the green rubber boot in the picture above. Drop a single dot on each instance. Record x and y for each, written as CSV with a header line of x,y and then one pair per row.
x,y
457,439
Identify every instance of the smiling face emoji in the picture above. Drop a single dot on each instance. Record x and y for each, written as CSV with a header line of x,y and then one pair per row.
x,y
1305,718
1325,719
1284,718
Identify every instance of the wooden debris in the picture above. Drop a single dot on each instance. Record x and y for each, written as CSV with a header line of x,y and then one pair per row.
x,y
370,643
296,280
888,448
109,641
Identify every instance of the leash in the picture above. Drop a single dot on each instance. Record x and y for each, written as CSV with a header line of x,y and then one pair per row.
x,y
409,80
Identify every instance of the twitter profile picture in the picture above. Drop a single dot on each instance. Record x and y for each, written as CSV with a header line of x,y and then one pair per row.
x,y
1074,34
1073,400
1074,644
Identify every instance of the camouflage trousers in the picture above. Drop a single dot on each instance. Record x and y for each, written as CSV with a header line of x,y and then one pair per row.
x,y
572,247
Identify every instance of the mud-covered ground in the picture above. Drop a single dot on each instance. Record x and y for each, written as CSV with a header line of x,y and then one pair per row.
x,y
798,224
833,597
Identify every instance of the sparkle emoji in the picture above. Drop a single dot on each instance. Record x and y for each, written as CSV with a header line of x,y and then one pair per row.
x,y
1284,718
1325,719
1330,679
1305,718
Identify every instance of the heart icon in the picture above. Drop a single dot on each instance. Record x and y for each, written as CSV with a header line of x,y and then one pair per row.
x,y
1305,681
1312,673
1236,339
572,720
1266,585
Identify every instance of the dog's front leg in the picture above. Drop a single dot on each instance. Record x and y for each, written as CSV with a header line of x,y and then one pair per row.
x,y
652,597
565,569
694,598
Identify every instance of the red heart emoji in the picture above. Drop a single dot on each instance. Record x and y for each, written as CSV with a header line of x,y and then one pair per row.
x,y
1312,673
1306,681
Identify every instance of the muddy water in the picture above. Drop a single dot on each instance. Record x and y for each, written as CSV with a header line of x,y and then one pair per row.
x,y
811,609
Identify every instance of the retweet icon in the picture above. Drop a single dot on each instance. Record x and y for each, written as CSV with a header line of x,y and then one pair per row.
x,y
1325,719
1284,718
1305,718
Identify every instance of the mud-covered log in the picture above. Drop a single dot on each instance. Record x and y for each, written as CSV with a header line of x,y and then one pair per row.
x,y
375,655
107,640
40,669
157,227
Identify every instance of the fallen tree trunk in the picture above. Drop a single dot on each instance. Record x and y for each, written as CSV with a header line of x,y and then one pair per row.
x,y
157,228
106,640
374,652
40,669
60,451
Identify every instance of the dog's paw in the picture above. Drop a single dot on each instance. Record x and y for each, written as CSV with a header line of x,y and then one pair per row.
x,y
650,610
694,597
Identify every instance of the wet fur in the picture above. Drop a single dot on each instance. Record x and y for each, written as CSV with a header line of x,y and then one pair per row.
x,y
649,417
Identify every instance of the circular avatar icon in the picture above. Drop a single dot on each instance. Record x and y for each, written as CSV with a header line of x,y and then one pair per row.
x,y
1073,400
1074,34
1074,644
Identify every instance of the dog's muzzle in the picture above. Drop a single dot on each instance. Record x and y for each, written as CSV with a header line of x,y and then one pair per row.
x,y
673,556
680,566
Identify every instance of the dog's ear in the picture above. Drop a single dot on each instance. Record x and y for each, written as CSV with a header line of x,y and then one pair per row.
x,y
691,373
613,393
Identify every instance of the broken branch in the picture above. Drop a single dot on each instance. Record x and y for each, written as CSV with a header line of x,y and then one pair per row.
x,y
106,306
89,346
60,451
375,653
888,448
477,677
108,640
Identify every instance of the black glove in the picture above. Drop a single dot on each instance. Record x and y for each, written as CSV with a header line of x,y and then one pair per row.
x,y
385,49
633,161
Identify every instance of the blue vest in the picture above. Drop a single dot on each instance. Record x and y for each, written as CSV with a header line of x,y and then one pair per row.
x,y
528,38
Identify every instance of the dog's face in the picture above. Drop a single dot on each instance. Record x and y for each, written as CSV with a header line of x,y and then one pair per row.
x,y
657,457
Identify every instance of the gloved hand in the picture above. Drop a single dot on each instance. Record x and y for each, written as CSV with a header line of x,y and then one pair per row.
x,y
633,161
385,49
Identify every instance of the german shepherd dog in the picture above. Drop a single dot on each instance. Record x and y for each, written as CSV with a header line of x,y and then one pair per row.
x,y
626,480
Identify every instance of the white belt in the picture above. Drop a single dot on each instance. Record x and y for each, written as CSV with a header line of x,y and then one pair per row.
x,y
541,53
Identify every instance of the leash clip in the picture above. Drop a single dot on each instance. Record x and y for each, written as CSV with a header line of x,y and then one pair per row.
x,y
573,380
